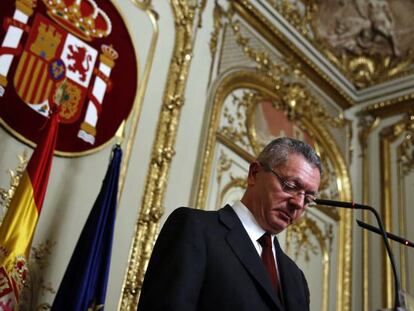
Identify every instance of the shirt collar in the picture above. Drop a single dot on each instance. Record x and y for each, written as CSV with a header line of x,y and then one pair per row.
x,y
249,222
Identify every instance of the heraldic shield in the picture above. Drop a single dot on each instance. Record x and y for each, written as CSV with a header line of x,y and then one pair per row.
x,y
66,53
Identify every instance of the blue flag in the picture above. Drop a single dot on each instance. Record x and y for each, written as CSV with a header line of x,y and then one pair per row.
x,y
85,281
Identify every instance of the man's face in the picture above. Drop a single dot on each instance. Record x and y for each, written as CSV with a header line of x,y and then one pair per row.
x,y
272,204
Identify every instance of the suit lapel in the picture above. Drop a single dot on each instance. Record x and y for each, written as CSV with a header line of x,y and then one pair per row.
x,y
243,248
288,279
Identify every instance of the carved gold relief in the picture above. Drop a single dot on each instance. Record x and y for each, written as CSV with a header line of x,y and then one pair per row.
x,y
299,235
234,128
294,96
217,26
299,13
224,165
163,150
367,39
15,176
232,183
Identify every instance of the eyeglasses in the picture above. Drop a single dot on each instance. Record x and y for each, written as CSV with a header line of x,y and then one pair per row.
x,y
292,187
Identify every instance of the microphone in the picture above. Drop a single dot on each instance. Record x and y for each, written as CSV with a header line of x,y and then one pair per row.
x,y
389,235
399,298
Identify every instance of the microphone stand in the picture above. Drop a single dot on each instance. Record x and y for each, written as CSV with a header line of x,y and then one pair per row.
x,y
399,297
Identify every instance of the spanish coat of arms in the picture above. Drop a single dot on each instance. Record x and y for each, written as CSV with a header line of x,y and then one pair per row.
x,y
65,55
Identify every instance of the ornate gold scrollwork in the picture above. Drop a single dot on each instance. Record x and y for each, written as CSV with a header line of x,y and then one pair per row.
x,y
298,13
406,154
361,38
235,129
299,235
162,153
293,95
15,176
225,164
217,26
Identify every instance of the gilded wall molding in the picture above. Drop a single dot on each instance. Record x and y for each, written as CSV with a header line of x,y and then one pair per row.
x,y
260,83
152,208
367,124
405,156
388,136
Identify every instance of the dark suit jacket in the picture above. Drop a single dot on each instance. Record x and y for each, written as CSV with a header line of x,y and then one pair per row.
x,y
204,260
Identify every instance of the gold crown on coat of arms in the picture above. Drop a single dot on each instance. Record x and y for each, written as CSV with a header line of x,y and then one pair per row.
x,y
81,17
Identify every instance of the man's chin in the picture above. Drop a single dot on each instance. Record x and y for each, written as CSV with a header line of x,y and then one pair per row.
x,y
279,226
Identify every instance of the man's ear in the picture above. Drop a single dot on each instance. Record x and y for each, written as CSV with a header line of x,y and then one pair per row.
x,y
254,169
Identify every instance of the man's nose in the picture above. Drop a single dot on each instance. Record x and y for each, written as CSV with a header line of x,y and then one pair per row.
x,y
297,201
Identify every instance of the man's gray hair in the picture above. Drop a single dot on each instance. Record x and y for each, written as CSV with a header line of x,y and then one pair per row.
x,y
278,150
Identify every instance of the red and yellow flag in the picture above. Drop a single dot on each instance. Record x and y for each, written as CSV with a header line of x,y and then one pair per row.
x,y
19,223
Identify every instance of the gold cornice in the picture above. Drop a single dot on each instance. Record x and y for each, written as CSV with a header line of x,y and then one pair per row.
x,y
390,107
275,37
262,83
152,209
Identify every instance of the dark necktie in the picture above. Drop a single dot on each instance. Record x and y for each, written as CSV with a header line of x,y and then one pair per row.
x,y
269,260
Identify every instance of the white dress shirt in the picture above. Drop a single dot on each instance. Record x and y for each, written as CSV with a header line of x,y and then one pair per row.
x,y
252,228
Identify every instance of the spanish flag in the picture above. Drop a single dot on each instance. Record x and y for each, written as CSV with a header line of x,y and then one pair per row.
x,y
19,223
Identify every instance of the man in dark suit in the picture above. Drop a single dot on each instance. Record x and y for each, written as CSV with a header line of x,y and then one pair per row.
x,y
219,260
